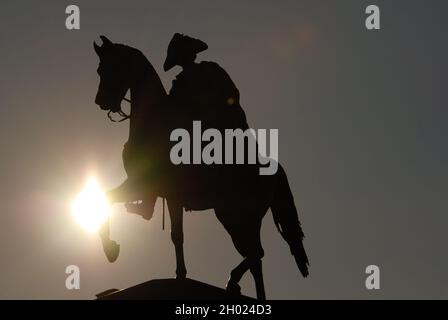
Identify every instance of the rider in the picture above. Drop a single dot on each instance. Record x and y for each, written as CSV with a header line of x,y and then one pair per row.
x,y
203,91
204,88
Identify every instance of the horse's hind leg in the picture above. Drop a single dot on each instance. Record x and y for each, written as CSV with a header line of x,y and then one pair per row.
x,y
177,236
251,244
253,263
235,277
255,253
245,236
257,273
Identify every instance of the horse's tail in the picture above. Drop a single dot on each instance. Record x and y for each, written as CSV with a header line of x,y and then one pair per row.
x,y
287,221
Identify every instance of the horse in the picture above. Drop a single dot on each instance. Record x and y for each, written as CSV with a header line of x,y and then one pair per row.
x,y
240,199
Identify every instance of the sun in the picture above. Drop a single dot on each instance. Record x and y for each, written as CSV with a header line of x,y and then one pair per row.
x,y
91,207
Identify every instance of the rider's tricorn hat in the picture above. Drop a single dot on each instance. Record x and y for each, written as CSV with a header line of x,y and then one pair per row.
x,y
181,45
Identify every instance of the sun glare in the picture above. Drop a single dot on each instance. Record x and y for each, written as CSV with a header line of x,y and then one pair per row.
x,y
91,207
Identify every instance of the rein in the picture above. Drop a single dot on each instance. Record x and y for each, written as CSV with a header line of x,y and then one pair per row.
x,y
124,116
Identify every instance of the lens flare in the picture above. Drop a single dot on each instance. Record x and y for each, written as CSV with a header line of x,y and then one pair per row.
x,y
91,207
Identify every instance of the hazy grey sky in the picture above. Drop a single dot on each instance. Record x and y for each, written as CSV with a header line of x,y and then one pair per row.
x,y
362,135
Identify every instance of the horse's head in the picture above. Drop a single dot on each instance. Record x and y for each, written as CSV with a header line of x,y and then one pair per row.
x,y
116,71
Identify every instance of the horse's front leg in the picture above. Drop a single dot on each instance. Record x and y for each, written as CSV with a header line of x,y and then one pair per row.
x,y
110,247
177,236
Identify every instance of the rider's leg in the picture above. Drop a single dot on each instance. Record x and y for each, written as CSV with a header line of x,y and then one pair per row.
x,y
145,208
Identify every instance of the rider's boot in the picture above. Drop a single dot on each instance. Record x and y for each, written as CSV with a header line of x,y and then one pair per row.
x,y
144,209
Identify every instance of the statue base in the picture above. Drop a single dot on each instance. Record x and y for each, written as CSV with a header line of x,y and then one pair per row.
x,y
171,289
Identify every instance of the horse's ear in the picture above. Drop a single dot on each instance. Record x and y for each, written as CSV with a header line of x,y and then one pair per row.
x,y
106,41
97,49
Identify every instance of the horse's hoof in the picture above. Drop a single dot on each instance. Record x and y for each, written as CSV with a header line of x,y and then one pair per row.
x,y
112,250
181,275
233,288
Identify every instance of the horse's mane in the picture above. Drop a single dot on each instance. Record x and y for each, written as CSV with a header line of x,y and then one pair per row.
x,y
136,56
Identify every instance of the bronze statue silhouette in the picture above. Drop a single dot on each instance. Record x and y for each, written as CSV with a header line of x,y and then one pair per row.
x,y
239,196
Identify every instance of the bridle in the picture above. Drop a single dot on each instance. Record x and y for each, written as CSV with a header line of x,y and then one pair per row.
x,y
124,115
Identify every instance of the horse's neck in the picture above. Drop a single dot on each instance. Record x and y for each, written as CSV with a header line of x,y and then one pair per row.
x,y
147,107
